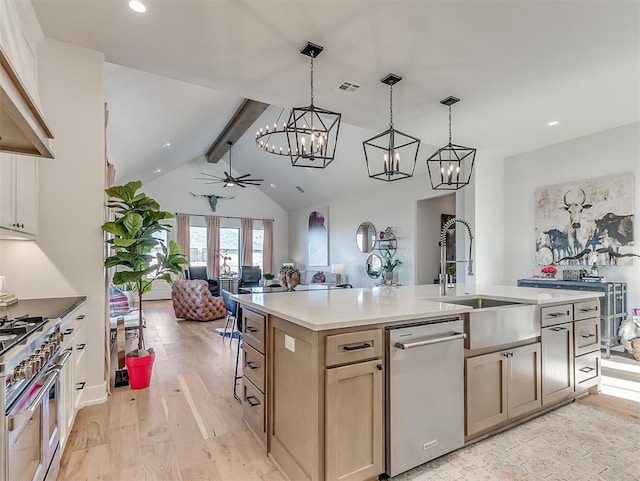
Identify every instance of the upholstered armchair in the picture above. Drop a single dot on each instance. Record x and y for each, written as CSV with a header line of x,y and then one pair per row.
x,y
192,300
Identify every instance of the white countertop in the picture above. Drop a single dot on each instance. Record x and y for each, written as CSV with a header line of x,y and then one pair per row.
x,y
338,308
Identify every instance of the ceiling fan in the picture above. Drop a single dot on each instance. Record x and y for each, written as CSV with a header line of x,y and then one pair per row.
x,y
228,180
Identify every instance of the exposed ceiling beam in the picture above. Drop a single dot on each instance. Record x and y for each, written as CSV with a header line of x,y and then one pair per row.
x,y
244,118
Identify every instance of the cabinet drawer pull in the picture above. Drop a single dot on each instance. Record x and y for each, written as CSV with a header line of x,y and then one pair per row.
x,y
80,347
251,365
364,345
380,367
253,401
587,336
588,369
252,329
587,309
80,386
558,314
80,317
68,331
558,329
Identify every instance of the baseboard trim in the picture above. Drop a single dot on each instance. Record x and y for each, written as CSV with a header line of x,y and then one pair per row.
x,y
94,395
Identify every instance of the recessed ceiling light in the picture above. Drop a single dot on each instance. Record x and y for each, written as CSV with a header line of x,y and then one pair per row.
x,y
273,186
166,144
552,123
158,171
137,6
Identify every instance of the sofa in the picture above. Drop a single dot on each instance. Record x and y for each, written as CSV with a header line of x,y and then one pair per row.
x,y
315,277
193,301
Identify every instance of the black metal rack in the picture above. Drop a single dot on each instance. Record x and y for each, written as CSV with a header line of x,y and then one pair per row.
x,y
613,306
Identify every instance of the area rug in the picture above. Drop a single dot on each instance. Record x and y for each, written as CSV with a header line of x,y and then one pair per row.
x,y
576,442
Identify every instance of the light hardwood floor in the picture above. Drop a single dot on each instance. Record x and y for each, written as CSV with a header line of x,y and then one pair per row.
x,y
187,426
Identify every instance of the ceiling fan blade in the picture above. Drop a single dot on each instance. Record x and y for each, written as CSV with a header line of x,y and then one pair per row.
x,y
242,176
211,178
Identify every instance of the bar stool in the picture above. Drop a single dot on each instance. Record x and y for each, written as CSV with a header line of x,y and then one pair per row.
x,y
232,314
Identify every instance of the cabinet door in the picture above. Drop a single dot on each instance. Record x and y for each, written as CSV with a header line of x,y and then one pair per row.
x,y
523,380
557,363
26,194
353,422
486,391
7,189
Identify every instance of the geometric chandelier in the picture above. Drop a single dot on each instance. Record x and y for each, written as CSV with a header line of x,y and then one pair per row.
x,y
382,152
309,136
450,167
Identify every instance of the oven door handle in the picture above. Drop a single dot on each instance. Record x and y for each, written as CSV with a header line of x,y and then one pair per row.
x,y
61,359
15,420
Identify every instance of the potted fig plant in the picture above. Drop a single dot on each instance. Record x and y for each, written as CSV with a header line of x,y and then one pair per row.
x,y
137,218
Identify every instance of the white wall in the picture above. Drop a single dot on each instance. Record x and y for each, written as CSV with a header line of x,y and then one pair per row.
x,y
386,205
173,192
486,211
66,258
615,151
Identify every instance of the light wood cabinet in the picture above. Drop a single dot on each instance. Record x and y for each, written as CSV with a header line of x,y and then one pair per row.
x,y
557,363
354,448
18,198
502,385
254,325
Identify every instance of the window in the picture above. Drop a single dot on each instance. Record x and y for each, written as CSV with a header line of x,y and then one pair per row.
x,y
258,247
163,235
197,246
230,242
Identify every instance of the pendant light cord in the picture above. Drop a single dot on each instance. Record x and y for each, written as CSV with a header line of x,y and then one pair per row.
x,y
449,123
391,104
312,53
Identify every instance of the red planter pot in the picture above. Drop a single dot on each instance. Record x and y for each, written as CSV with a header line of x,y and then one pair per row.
x,y
139,369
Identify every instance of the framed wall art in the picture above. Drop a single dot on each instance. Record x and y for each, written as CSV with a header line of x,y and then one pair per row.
x,y
586,222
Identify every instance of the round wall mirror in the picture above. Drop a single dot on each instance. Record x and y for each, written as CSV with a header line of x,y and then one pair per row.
x,y
366,237
374,266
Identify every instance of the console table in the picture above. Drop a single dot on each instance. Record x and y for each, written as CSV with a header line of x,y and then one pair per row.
x,y
613,306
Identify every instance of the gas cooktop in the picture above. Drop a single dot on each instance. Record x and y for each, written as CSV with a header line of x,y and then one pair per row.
x,y
12,331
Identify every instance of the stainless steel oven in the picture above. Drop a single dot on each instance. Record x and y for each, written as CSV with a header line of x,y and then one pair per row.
x,y
30,431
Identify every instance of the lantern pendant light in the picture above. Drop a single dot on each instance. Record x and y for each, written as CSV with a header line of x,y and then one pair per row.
x,y
391,155
310,136
451,166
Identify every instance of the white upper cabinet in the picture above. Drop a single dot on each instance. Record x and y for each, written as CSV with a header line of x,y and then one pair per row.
x,y
18,196
23,129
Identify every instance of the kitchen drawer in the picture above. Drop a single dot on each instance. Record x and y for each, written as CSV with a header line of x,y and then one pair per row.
x,y
353,347
587,370
253,366
586,310
253,325
253,408
552,315
586,336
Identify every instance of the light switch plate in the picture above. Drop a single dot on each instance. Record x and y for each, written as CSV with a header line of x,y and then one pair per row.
x,y
289,343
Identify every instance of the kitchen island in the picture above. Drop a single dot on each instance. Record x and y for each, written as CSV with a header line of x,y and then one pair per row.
x,y
316,367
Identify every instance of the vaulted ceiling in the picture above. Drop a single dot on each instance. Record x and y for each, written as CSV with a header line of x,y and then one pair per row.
x,y
176,74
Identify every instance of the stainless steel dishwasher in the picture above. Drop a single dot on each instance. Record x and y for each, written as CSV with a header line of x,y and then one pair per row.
x,y
424,392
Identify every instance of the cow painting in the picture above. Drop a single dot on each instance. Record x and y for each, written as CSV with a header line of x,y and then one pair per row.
x,y
585,223
579,228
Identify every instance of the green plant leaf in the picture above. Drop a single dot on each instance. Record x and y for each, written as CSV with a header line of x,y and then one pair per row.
x,y
174,248
123,277
133,223
113,228
123,242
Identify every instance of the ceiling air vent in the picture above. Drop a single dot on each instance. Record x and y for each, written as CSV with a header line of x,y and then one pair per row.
x,y
299,189
347,87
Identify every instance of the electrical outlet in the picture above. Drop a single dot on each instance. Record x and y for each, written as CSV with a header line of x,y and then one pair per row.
x,y
289,343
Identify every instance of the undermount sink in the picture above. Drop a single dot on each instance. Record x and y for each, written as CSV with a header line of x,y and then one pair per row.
x,y
480,302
